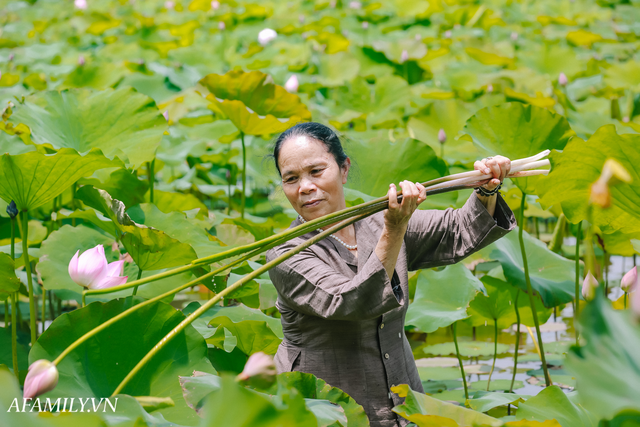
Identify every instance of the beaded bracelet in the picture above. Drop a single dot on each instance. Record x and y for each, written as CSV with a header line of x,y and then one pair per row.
x,y
484,192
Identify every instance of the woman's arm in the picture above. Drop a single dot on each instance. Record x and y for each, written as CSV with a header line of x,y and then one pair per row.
x,y
442,237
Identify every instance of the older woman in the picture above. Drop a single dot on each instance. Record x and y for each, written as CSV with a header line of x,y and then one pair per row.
x,y
343,300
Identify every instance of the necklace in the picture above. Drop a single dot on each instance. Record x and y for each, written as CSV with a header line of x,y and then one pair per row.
x,y
331,235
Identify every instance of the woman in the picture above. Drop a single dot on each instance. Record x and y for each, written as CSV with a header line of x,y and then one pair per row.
x,y
343,300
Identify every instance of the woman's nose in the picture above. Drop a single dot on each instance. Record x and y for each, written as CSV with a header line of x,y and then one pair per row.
x,y
306,185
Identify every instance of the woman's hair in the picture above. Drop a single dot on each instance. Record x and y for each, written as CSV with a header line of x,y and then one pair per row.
x,y
314,130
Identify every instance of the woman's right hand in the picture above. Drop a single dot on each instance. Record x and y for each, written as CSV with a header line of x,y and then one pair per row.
x,y
397,216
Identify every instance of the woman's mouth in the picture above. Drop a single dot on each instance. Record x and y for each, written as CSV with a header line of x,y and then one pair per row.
x,y
311,203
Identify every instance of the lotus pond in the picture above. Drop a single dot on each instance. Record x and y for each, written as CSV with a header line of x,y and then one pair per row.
x,y
136,203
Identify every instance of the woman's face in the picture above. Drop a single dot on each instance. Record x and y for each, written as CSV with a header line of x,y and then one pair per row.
x,y
311,178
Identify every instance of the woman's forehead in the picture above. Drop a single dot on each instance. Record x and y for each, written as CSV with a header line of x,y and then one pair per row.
x,y
302,151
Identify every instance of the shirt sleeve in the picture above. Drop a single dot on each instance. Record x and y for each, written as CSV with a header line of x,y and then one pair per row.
x,y
309,285
441,237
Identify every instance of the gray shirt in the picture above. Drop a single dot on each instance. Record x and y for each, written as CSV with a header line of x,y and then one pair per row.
x,y
342,320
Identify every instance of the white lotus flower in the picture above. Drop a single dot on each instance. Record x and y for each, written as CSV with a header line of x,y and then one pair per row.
x,y
266,35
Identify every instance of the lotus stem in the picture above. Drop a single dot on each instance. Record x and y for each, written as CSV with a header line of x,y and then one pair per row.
x,y
464,378
577,289
495,352
381,203
244,175
530,291
515,355
44,307
27,265
151,177
14,307
73,202
135,288
193,316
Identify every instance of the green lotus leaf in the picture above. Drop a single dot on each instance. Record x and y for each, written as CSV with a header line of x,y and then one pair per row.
x,y
151,249
337,69
607,367
123,185
97,367
552,276
435,306
177,226
6,356
90,216
467,349
515,130
552,403
482,401
33,179
254,105
312,387
122,123
420,408
252,335
499,306
582,161
391,162
233,404
236,314
623,75
170,202
9,282
450,115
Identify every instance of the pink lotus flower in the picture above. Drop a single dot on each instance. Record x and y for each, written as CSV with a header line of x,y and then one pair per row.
x,y
630,280
80,4
92,271
166,115
442,136
404,56
562,79
41,378
169,5
259,370
292,84
221,25
589,286
81,60
365,24
215,4
489,88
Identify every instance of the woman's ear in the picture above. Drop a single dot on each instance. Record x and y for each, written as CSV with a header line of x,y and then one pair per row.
x,y
345,170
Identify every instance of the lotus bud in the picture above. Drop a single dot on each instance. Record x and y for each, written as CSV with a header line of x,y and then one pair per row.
x,y
292,84
562,79
222,26
404,56
301,18
41,378
514,36
355,5
169,4
447,34
227,174
612,173
490,88
215,5
12,210
442,136
80,4
365,24
589,286
266,35
11,57
625,119
630,280
165,114
81,60
92,271
259,370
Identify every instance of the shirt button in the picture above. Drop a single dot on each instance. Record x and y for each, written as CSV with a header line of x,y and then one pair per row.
x,y
399,334
386,355
381,325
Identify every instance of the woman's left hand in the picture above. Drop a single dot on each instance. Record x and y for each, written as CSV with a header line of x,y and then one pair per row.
x,y
498,166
